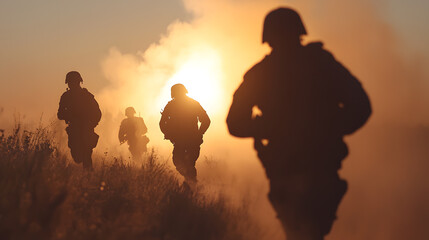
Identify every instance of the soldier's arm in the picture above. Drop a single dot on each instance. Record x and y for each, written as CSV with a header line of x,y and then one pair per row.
x,y
239,120
97,112
204,119
143,126
164,119
121,133
92,109
62,113
355,106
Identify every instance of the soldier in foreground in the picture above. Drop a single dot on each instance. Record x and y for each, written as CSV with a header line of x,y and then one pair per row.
x,y
179,123
81,112
307,103
132,131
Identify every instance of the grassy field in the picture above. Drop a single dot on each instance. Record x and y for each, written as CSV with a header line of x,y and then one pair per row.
x,y
46,196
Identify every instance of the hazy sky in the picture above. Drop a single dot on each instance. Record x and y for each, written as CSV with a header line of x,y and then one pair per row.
x,y
42,40
410,19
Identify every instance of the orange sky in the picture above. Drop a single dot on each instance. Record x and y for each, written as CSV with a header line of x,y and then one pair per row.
x,y
130,52
42,41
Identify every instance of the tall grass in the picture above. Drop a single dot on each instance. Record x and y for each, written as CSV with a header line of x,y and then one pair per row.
x,y
45,196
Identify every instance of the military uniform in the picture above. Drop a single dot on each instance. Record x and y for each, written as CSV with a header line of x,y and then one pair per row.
x,y
132,131
81,112
309,101
179,123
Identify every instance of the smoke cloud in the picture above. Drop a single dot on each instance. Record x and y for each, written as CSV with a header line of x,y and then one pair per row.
x,y
387,193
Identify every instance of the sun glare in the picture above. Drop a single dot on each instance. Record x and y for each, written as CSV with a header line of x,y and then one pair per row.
x,y
201,75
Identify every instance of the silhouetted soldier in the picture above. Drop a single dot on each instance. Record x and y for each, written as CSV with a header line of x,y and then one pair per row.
x,y
80,111
307,101
132,131
179,123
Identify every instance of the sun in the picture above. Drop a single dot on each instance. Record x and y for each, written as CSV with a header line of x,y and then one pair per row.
x,y
201,75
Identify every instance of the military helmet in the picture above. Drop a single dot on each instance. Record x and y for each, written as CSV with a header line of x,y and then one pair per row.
x,y
130,111
282,21
73,76
178,90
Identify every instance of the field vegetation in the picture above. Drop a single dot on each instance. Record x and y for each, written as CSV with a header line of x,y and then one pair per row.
x,y
44,195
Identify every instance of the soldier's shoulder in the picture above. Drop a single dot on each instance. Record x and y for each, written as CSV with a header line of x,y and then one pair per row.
x,y
126,123
168,106
65,95
193,101
258,68
139,119
315,45
170,103
196,106
86,92
189,103
316,49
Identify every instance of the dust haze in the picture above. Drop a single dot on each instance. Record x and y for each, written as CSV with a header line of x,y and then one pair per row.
x,y
385,170
387,194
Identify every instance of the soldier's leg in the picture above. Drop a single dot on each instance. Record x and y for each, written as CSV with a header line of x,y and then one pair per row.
x,y
331,191
135,152
289,198
322,191
289,188
310,211
331,187
142,144
87,160
76,154
74,145
179,158
192,154
89,142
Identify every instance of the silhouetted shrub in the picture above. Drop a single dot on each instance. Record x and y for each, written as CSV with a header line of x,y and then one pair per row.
x,y
44,196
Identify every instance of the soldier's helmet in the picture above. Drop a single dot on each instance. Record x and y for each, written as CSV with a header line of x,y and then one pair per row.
x,y
73,76
130,111
282,22
178,90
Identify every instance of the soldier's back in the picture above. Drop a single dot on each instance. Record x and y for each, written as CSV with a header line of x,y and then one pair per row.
x,y
183,114
82,107
133,126
128,126
296,92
